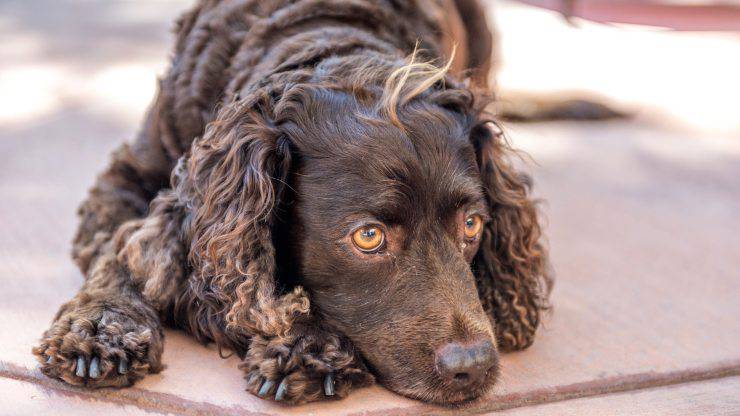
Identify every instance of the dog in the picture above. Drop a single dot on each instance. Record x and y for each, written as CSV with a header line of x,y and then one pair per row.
x,y
319,189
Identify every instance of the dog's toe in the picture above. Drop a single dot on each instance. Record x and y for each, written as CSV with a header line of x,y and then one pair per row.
x,y
90,351
307,369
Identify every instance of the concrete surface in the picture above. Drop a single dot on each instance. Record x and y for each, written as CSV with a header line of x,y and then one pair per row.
x,y
708,398
642,220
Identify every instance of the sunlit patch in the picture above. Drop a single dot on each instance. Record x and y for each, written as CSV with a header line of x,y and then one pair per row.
x,y
29,92
688,76
123,89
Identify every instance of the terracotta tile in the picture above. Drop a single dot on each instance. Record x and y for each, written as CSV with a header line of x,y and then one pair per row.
x,y
645,255
710,398
643,227
26,399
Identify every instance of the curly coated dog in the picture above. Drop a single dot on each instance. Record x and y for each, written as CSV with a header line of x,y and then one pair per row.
x,y
313,190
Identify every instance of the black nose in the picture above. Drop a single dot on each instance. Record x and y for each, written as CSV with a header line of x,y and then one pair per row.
x,y
465,364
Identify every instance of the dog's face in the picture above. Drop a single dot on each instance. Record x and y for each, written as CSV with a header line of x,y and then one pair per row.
x,y
371,200
381,227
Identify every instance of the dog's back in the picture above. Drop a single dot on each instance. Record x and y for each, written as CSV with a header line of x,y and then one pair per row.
x,y
224,48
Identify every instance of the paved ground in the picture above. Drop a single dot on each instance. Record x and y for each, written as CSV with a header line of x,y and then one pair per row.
x,y
642,220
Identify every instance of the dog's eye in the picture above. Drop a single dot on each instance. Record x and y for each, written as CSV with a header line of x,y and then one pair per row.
x,y
368,238
473,225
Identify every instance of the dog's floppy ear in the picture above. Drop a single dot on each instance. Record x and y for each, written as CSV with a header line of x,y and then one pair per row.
x,y
235,173
511,265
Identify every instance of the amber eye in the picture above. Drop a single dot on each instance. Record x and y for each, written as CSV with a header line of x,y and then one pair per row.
x,y
473,224
369,238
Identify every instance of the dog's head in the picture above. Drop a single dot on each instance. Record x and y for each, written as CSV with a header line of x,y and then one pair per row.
x,y
380,196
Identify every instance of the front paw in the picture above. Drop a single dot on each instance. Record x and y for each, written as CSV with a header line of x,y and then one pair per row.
x,y
100,347
302,368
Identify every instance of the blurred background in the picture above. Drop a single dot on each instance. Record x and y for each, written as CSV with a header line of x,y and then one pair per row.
x,y
643,213
103,56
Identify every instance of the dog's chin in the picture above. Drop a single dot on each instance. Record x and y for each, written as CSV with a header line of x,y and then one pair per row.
x,y
434,391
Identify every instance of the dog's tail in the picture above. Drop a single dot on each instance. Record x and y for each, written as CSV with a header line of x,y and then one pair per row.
x,y
531,107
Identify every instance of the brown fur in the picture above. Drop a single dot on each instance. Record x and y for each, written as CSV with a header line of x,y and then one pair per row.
x,y
278,123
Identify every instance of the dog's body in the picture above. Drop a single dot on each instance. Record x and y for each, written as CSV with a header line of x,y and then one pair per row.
x,y
282,125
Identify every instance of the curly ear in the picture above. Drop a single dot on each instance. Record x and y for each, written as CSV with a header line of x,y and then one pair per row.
x,y
233,180
511,266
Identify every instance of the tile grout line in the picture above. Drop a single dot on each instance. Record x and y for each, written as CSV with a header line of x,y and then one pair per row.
x,y
157,402
170,403
587,389
631,383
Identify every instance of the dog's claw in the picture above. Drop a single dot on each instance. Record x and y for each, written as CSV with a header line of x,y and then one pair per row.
x,y
281,390
80,367
266,387
329,384
122,366
95,367
251,378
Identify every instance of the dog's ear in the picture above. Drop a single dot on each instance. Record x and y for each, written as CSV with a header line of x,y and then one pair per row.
x,y
511,265
235,174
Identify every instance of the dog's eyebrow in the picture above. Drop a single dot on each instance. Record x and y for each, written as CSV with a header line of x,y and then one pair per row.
x,y
393,202
399,196
461,191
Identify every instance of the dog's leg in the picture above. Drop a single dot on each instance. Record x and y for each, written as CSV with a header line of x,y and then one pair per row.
x,y
523,107
110,334
136,173
310,363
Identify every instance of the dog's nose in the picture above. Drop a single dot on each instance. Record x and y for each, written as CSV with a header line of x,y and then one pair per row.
x,y
465,364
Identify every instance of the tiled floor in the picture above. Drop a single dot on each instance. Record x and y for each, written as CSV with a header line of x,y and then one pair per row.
x,y
642,213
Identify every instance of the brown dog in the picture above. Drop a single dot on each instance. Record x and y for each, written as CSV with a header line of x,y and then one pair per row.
x,y
304,195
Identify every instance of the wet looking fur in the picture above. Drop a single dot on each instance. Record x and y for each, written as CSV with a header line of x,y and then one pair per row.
x,y
231,215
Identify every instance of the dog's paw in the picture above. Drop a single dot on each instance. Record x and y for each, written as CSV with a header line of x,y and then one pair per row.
x,y
302,368
99,347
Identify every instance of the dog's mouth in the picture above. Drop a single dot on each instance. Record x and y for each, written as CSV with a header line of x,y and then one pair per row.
x,y
451,393
455,395
445,397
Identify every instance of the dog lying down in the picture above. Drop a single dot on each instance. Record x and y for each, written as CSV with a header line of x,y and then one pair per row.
x,y
304,194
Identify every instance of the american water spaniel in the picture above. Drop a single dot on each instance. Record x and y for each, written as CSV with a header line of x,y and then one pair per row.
x,y
317,188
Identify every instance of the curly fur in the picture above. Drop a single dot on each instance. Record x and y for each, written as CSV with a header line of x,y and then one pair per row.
x,y
511,267
193,223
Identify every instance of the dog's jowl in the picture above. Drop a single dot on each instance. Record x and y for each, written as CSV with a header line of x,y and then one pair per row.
x,y
318,188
